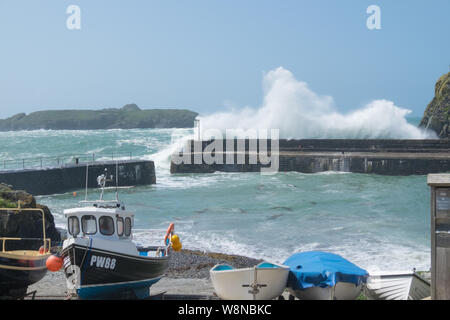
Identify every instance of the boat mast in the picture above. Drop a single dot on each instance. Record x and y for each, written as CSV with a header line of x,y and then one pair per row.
x,y
87,170
117,181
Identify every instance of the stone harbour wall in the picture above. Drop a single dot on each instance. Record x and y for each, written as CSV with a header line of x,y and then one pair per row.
x,y
73,177
386,157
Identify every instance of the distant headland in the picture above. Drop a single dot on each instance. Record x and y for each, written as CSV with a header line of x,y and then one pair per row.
x,y
129,116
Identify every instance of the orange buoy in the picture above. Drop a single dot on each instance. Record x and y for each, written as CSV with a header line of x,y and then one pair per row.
x,y
54,263
74,194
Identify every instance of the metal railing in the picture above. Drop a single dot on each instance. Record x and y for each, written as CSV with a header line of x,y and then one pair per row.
x,y
46,246
61,160
20,209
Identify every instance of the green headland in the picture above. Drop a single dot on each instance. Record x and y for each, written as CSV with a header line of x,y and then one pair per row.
x,y
128,117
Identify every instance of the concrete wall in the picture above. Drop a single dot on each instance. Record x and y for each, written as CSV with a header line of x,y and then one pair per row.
x,y
346,145
387,157
73,177
381,164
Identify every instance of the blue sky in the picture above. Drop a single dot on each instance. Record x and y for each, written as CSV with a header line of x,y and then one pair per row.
x,y
207,54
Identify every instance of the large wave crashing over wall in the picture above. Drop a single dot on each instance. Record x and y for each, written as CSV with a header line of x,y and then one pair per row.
x,y
298,112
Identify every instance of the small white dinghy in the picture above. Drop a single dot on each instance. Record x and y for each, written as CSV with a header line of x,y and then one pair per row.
x,y
397,286
265,281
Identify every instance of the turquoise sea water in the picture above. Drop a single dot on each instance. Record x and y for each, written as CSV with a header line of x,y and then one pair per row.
x,y
377,222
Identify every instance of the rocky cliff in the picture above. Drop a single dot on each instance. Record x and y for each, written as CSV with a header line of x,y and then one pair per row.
x,y
25,224
436,116
128,117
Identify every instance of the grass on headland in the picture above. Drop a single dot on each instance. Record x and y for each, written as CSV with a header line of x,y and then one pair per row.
x,y
7,204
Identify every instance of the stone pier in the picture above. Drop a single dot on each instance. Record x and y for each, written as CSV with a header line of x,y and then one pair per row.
x,y
386,157
73,177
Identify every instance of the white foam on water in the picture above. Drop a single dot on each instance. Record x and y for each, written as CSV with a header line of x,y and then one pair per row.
x,y
326,173
162,157
221,242
149,143
180,182
383,256
200,240
96,150
298,112
148,237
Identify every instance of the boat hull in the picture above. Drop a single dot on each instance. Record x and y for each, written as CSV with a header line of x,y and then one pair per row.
x,y
235,284
342,291
318,275
17,272
397,286
94,273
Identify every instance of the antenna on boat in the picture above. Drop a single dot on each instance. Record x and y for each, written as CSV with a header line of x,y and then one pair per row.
x,y
87,170
117,181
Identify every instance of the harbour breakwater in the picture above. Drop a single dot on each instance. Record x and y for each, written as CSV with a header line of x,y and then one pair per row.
x,y
376,156
73,177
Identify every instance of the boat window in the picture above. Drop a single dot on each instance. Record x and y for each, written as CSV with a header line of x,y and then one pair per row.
x,y
127,227
89,224
106,225
74,226
120,226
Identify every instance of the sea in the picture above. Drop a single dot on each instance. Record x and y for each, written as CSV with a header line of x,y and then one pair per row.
x,y
380,223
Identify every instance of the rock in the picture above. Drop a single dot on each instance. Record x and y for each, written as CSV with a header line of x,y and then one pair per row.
x,y
436,116
25,224
131,107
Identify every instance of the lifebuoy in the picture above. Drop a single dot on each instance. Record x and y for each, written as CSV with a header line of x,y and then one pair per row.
x,y
169,233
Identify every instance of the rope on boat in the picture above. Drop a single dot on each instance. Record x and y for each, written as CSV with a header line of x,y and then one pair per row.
x,y
83,263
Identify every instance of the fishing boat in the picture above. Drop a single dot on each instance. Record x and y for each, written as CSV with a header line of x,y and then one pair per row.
x,y
264,281
21,268
316,275
406,285
100,259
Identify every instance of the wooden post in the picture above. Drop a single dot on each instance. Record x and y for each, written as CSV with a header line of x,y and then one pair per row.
x,y
440,236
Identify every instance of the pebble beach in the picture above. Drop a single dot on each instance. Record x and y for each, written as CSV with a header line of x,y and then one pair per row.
x,y
188,274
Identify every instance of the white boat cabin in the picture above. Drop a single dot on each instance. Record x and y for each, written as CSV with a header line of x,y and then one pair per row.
x,y
107,226
104,225
106,220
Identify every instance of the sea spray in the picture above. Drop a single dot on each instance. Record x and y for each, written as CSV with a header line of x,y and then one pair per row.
x,y
178,139
291,106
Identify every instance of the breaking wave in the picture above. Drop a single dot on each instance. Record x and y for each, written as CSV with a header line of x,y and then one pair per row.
x,y
298,112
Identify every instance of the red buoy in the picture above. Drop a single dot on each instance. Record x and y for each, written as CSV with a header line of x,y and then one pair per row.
x,y
54,263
